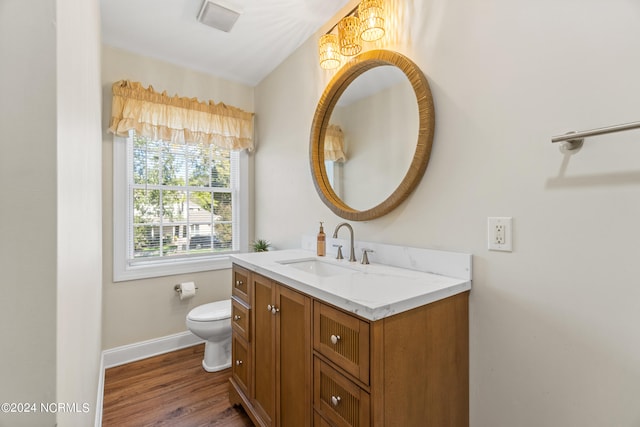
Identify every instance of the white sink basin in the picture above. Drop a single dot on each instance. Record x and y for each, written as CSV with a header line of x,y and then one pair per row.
x,y
317,267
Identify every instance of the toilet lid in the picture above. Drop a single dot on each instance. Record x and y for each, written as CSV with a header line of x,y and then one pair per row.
x,y
212,311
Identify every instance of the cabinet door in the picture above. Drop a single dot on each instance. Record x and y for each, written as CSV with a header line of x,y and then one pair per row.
x,y
293,358
240,363
263,330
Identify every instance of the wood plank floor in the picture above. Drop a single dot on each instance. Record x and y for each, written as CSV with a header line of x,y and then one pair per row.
x,y
169,390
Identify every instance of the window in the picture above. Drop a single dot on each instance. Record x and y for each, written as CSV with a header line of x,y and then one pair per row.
x,y
178,208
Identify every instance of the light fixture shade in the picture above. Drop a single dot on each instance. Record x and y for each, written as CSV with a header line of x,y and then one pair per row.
x,y
349,36
371,14
329,52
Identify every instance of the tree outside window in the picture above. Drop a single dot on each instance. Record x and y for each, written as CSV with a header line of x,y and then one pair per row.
x,y
181,199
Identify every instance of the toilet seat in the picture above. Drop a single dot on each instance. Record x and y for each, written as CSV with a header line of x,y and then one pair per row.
x,y
213,311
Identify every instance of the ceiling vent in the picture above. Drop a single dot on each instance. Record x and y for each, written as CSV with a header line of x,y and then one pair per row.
x,y
219,15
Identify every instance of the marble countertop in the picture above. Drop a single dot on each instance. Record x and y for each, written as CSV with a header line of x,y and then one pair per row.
x,y
373,291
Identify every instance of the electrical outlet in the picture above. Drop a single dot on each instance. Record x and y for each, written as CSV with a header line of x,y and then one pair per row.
x,y
500,234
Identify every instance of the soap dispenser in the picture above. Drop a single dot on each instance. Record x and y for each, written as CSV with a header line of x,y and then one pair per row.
x,y
321,250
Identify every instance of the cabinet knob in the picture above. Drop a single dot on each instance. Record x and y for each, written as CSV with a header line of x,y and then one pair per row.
x,y
238,362
274,310
238,283
335,339
269,307
335,400
236,317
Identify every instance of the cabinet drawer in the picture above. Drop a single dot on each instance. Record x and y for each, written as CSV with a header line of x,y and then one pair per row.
x,y
337,399
240,285
240,363
240,318
343,339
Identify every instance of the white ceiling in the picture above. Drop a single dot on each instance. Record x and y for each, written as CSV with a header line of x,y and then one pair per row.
x,y
266,33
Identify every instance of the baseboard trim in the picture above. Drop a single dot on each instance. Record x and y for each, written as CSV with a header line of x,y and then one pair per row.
x,y
141,350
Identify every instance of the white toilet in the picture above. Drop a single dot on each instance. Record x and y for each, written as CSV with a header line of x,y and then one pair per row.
x,y
212,323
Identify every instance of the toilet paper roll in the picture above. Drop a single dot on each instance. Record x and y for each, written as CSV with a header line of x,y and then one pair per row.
x,y
187,290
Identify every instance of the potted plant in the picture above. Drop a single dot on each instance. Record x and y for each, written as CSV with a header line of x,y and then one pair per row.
x,y
261,245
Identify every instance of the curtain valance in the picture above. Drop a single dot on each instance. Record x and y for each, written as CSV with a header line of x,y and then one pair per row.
x,y
334,144
161,117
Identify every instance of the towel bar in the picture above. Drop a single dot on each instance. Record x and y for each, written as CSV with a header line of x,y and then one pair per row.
x,y
574,140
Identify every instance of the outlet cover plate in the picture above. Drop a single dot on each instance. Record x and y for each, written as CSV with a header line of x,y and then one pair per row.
x,y
500,236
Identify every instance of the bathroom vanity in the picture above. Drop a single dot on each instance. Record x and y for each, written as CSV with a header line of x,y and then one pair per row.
x,y
325,342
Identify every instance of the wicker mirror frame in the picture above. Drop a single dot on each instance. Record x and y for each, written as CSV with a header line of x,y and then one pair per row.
x,y
328,100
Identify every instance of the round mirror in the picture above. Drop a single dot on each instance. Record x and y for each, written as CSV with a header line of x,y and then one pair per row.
x,y
371,135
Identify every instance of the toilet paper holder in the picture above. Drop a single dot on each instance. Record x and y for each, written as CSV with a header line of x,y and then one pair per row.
x,y
178,288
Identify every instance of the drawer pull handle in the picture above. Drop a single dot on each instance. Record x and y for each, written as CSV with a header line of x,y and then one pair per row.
x,y
238,283
335,400
238,362
236,317
335,339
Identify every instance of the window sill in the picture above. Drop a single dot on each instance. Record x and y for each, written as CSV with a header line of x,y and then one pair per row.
x,y
145,270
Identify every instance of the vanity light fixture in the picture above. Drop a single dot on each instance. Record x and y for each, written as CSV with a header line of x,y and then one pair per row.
x,y
372,20
349,36
329,52
364,22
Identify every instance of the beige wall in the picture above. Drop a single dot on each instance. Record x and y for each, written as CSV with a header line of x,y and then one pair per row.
x,y
79,210
50,220
28,213
554,338
140,310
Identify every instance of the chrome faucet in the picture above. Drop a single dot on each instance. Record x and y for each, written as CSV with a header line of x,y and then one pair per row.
x,y
352,256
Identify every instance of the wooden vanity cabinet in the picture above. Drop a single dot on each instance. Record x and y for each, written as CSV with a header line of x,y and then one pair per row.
x,y
315,364
279,393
